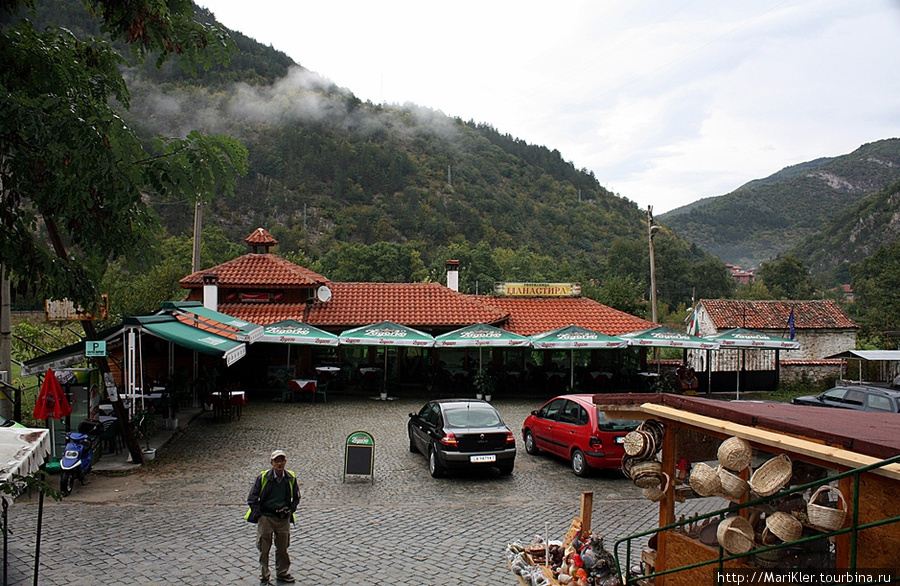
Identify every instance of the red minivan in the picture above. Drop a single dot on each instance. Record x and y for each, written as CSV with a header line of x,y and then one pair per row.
x,y
571,426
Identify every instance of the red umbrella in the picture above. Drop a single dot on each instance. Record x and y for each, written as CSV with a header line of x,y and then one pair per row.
x,y
51,403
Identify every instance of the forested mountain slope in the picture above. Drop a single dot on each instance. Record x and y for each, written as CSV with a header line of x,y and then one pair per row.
x,y
765,217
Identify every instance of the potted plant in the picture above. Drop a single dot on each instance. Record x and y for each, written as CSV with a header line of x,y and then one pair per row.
x,y
177,389
484,384
144,424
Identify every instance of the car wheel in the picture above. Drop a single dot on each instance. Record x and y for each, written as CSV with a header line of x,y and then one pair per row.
x,y
412,445
434,464
66,482
530,446
506,469
579,463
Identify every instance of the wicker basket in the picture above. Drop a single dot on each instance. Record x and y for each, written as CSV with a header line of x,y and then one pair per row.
x,y
647,474
656,428
735,535
735,454
627,463
784,526
639,444
704,480
771,476
732,486
657,493
823,517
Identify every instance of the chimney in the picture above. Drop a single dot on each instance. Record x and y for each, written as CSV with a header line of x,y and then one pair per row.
x,y
453,275
211,292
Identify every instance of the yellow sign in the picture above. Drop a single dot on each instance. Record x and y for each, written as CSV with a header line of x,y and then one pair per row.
x,y
65,310
538,289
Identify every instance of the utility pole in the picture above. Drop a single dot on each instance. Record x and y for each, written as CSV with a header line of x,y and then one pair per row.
x,y
198,229
6,402
652,229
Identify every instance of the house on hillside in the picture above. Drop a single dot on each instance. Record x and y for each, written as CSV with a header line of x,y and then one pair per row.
x,y
820,326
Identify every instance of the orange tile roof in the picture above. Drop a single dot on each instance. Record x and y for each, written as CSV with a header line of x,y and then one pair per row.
x,y
773,315
429,306
532,315
252,271
260,237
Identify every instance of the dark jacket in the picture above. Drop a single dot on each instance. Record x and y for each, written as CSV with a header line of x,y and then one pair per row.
x,y
261,488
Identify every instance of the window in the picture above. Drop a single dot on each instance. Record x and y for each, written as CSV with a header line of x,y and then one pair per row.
x,y
551,410
879,403
835,395
854,398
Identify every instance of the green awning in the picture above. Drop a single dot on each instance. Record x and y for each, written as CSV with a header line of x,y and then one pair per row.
x,y
194,314
198,340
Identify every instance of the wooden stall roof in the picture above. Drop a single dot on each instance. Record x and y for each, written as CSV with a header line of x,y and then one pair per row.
x,y
863,432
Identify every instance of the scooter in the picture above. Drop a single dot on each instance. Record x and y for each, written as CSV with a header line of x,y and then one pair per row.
x,y
79,454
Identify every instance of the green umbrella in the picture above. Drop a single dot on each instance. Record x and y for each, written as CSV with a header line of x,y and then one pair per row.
x,y
293,332
479,336
386,333
661,336
572,337
744,338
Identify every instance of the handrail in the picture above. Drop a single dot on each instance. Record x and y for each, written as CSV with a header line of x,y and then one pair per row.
x,y
854,528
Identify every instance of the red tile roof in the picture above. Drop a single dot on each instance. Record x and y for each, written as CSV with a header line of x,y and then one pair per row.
x,y
260,237
429,306
532,315
773,315
254,271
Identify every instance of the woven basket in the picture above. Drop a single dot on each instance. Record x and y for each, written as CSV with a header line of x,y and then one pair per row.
x,y
824,517
627,463
735,454
656,428
735,535
647,474
784,526
657,493
771,476
704,480
639,444
733,486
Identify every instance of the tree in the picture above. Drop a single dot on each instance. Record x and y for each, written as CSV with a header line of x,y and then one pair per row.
x,y
876,287
72,171
786,277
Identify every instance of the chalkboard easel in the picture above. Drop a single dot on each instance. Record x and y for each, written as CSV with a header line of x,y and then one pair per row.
x,y
359,455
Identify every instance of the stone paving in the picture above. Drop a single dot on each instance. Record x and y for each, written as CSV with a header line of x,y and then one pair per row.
x,y
179,520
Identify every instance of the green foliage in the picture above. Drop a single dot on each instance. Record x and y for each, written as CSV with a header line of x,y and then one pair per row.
x,y
786,278
382,262
624,294
802,385
876,284
17,485
73,170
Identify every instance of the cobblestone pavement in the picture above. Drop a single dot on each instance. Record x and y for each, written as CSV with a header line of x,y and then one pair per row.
x,y
180,519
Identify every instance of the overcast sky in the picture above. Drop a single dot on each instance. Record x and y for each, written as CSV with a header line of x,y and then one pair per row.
x,y
666,101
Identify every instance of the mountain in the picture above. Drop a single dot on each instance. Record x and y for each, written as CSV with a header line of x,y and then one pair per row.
x,y
766,217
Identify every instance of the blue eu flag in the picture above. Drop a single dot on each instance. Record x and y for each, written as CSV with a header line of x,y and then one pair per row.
x,y
791,323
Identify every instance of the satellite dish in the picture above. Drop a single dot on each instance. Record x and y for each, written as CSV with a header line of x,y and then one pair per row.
x,y
323,294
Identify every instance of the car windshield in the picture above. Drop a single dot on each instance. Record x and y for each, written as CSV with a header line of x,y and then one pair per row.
x,y
615,424
472,416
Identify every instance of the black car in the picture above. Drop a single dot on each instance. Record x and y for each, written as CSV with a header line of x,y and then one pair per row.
x,y
461,433
858,397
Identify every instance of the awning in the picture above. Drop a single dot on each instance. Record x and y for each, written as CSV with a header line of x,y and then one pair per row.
x,y
887,355
66,357
196,339
192,313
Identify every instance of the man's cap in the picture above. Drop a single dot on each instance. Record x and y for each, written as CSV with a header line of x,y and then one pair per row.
x,y
277,453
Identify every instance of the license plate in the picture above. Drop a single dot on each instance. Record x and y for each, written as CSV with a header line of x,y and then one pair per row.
x,y
620,439
490,458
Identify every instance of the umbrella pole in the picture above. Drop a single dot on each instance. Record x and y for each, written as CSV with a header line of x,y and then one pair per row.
x,y
572,370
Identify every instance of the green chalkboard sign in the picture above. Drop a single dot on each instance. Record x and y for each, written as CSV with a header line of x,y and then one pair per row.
x,y
359,455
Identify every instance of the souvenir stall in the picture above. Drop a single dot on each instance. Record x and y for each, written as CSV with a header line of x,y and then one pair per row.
x,y
792,480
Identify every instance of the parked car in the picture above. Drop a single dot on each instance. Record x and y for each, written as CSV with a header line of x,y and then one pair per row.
x,y
858,397
571,426
461,433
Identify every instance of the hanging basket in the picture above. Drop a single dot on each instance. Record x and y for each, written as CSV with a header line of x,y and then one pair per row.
x,y
827,518
655,428
771,476
784,526
732,486
657,493
704,480
627,463
735,535
735,454
647,474
639,444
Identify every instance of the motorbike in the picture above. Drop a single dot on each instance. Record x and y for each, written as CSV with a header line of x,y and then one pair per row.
x,y
78,458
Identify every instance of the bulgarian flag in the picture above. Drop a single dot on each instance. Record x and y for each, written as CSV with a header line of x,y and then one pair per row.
x,y
693,327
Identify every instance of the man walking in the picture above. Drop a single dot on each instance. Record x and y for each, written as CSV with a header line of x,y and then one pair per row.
x,y
273,500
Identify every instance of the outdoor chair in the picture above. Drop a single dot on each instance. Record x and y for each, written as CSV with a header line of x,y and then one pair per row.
x,y
321,389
